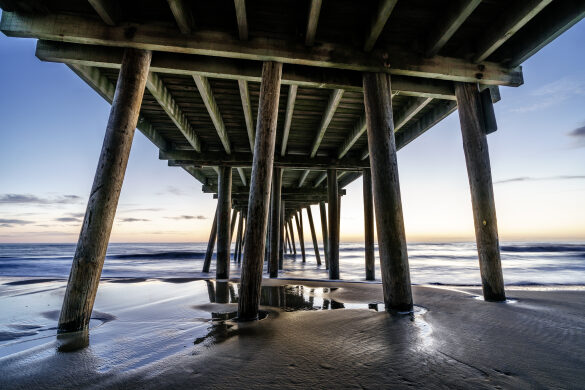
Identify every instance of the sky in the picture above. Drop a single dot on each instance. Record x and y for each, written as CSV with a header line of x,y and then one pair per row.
x,y
52,126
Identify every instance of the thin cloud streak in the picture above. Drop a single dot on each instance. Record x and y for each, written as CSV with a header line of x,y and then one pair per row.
x,y
11,222
189,217
33,199
134,220
522,179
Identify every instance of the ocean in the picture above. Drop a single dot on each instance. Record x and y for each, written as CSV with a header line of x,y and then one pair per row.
x,y
524,263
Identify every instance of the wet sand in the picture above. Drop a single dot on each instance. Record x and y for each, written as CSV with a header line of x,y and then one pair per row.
x,y
178,333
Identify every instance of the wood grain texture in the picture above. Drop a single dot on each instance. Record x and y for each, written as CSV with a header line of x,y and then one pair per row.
x,y
369,225
333,218
386,188
224,227
275,211
105,192
482,194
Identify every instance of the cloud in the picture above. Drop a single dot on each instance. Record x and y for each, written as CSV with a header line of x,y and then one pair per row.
x,y
134,220
189,217
68,219
559,177
33,199
173,191
578,135
11,222
553,94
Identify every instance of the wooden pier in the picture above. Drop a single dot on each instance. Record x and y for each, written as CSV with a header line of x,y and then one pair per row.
x,y
277,106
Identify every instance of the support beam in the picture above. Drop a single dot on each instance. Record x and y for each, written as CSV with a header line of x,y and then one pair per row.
x,y
417,105
242,19
105,89
324,232
290,107
281,238
213,110
238,235
167,102
233,223
108,10
290,193
358,129
103,199
482,194
183,15
313,235
393,60
247,107
369,226
299,219
210,243
275,211
312,21
243,239
333,214
507,25
213,159
288,239
242,175
292,235
303,177
243,71
334,100
378,22
224,206
457,13
251,278
386,188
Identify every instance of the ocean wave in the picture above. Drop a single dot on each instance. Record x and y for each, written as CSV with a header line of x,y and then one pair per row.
x,y
159,255
543,248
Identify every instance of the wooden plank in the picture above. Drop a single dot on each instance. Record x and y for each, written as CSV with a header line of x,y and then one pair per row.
x,y
242,175
477,160
290,107
410,111
186,157
251,275
183,15
242,19
507,25
236,69
358,130
386,188
213,110
312,21
197,174
546,27
95,232
158,37
458,13
378,22
430,119
247,107
106,89
108,10
167,102
334,100
320,180
303,177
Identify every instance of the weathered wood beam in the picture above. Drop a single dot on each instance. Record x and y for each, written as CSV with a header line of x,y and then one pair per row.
x,y
247,107
312,21
430,119
237,69
183,15
290,107
109,10
507,25
334,100
457,13
313,235
185,157
378,22
320,180
299,218
333,223
197,174
159,37
544,28
224,228
100,83
213,110
358,130
324,232
290,192
410,111
30,6
242,19
303,177
242,175
164,97
369,225
210,243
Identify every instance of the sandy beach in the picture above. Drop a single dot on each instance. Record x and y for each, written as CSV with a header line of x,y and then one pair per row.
x,y
174,333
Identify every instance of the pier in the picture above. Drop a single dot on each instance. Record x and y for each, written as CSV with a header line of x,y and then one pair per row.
x,y
277,106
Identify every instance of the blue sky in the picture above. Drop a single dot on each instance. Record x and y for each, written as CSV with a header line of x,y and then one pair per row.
x,y
52,125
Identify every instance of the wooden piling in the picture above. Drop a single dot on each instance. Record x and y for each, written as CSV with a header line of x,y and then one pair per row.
x,y
292,235
482,194
243,239
238,235
273,249
324,232
333,214
288,240
103,199
233,223
210,244
224,205
313,235
260,182
299,219
281,237
386,189
369,225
